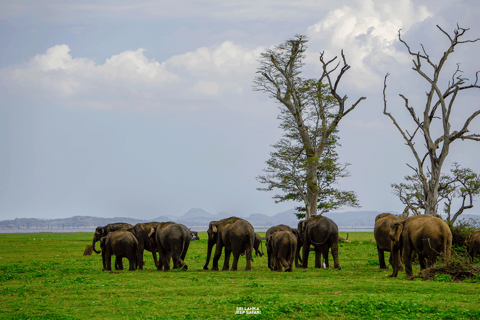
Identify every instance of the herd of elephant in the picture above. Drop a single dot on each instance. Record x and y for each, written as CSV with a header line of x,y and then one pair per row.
x,y
428,236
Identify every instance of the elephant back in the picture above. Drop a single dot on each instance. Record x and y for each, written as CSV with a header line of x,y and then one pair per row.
x,y
280,227
320,229
430,232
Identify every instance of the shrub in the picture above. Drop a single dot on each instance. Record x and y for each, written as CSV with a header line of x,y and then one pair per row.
x,y
461,230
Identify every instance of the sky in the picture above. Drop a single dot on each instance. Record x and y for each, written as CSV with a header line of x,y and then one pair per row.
x,y
145,108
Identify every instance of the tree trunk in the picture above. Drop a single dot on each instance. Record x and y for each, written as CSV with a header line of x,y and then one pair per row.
x,y
432,192
312,186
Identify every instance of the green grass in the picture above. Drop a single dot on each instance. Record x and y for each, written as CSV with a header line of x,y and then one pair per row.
x,y
46,276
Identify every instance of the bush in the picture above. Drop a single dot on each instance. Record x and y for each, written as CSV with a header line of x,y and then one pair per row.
x,y
458,268
461,230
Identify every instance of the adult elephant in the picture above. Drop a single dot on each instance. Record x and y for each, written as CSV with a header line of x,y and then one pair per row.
x,y
322,233
426,235
270,232
141,232
236,235
381,232
101,232
473,244
122,244
171,241
282,246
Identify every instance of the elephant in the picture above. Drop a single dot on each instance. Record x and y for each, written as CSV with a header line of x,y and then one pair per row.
x,y
141,231
381,233
322,232
122,244
236,235
282,246
256,244
171,241
271,231
426,235
473,244
101,232
298,258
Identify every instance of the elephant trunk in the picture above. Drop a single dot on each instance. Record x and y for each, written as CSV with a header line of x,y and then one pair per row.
x,y
211,242
93,245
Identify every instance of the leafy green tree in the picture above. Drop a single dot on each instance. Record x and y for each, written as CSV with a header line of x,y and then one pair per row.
x,y
286,171
462,184
308,114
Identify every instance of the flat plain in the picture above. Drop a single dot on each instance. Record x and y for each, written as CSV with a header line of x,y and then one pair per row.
x,y
46,276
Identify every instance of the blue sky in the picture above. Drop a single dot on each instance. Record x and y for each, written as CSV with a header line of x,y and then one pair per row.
x,y
146,108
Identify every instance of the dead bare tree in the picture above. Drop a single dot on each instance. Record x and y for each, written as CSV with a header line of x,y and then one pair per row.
x,y
438,106
279,75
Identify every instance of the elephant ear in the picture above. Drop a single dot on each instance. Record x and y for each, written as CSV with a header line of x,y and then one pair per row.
x,y
152,232
268,240
214,229
396,232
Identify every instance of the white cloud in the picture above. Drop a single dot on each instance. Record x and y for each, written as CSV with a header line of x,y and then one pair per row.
x,y
59,73
367,33
223,60
209,88
219,70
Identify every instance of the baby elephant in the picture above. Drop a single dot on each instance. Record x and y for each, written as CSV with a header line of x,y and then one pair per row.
x,y
473,244
282,246
121,244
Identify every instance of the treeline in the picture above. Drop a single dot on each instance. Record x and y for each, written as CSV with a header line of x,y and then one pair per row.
x,y
73,222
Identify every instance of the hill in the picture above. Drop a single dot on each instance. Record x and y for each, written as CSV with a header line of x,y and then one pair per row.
x,y
197,217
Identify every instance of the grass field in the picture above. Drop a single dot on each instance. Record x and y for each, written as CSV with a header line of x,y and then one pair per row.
x,y
46,276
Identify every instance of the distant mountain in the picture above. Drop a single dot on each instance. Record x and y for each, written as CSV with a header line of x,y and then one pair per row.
x,y
73,222
160,219
197,217
196,213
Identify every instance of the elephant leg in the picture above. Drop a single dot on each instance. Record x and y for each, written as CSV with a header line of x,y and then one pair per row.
x,y
108,262
178,262
269,258
226,262
423,263
471,253
154,254
249,258
236,256
162,258
407,258
381,258
132,261
166,261
185,249
284,264
140,249
325,262
336,262
279,265
216,256
118,263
